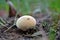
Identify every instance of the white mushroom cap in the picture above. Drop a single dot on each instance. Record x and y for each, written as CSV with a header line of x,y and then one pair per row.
x,y
26,22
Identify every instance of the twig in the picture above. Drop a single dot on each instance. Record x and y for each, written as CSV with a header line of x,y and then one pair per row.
x,y
9,28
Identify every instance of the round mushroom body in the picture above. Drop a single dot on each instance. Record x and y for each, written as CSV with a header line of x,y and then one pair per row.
x,y
26,22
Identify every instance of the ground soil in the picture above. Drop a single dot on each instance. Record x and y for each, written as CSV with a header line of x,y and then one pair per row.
x,y
15,34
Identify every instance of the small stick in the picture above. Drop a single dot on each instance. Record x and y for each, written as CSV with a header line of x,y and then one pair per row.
x,y
9,28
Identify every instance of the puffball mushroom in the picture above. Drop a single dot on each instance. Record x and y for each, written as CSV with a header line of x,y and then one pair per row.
x,y
26,22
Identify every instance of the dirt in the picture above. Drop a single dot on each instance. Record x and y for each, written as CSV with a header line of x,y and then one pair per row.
x,y
15,34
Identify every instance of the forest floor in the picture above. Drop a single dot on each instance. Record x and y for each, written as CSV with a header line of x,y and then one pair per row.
x,y
14,34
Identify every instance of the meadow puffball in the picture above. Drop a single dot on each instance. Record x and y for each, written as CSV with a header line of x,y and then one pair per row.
x,y
26,22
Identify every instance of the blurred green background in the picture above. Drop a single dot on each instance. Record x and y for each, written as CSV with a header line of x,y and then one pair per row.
x,y
27,6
